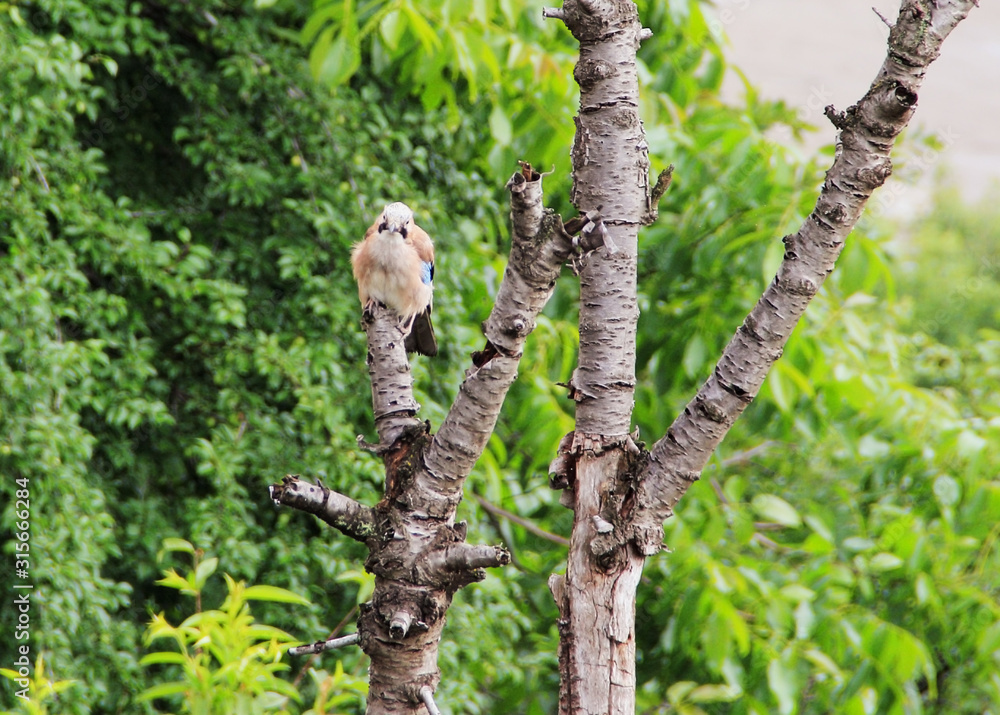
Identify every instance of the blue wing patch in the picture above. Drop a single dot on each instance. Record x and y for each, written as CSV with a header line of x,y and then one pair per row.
x,y
426,272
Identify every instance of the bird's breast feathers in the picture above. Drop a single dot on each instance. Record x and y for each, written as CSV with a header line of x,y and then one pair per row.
x,y
389,270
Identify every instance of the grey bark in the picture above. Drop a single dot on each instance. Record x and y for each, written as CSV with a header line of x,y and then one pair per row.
x,y
596,598
867,132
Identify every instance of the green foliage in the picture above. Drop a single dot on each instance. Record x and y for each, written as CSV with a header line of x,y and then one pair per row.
x,y
32,698
224,661
178,327
495,63
178,323
953,280
845,563
227,662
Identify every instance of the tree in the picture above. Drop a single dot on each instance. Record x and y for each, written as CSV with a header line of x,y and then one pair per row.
x,y
620,492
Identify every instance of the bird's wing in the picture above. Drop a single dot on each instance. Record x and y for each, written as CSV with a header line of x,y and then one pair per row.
x,y
422,244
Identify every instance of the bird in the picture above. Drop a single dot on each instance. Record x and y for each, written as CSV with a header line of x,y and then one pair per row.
x,y
394,265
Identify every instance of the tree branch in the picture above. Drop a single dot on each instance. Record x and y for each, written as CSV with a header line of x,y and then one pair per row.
x,y
323,646
392,383
867,133
341,512
525,523
418,555
466,557
539,247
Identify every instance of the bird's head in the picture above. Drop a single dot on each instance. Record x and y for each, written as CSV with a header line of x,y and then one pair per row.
x,y
396,218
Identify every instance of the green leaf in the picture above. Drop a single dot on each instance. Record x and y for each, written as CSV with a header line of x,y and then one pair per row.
x,y
335,58
163,657
714,694
782,682
885,562
947,490
500,126
392,28
172,579
774,508
163,690
858,544
173,544
274,593
678,692
695,353
421,28
205,569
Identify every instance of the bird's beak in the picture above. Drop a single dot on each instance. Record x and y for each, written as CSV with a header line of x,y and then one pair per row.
x,y
392,227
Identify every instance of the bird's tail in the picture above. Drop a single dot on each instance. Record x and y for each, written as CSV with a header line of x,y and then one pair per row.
x,y
421,338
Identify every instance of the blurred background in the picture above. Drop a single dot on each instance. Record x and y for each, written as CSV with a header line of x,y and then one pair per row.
x,y
835,65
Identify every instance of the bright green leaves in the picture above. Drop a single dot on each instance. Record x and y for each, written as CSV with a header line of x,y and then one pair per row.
x,y
783,682
686,696
776,509
225,661
500,127
499,67
34,699
336,54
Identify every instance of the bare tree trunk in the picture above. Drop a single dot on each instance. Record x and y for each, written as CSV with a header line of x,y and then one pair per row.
x,y
610,168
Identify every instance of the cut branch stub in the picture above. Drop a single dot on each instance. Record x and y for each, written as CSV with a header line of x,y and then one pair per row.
x,y
341,512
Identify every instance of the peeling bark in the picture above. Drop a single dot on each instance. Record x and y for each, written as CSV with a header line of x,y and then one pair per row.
x,y
596,598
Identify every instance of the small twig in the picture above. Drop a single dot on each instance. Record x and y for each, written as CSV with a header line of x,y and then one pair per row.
x,y
529,526
656,193
351,615
747,455
768,543
554,12
427,698
300,154
717,488
882,17
768,526
321,646
41,176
